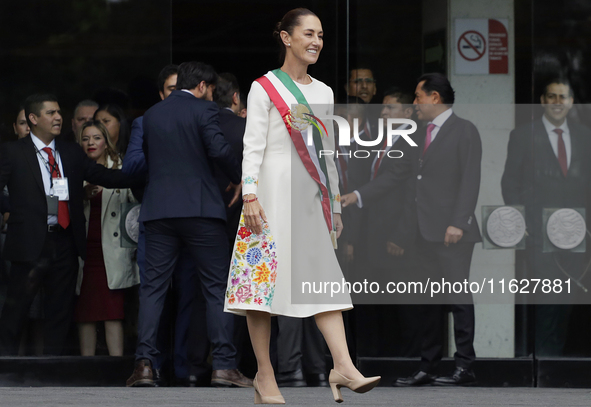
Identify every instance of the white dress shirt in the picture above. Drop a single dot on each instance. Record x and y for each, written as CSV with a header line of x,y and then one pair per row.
x,y
438,122
554,138
45,174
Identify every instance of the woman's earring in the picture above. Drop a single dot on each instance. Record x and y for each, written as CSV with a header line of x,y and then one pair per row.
x,y
289,44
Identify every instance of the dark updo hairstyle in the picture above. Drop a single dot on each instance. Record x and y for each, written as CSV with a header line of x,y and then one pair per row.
x,y
288,23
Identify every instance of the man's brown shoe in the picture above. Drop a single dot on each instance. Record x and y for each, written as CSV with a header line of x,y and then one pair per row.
x,y
142,375
229,378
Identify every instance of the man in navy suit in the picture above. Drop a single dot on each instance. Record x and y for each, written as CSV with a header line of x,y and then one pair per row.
x,y
182,205
227,97
190,368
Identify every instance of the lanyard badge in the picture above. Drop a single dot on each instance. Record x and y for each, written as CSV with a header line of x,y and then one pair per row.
x,y
60,189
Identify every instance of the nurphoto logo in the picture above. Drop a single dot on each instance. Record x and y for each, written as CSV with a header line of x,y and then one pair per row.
x,y
301,119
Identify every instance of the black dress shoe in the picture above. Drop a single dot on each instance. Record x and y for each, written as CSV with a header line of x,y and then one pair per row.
x,y
460,377
159,380
317,380
189,381
192,381
291,379
420,378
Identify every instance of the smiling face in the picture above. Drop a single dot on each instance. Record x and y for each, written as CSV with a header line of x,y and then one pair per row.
x,y
111,123
94,144
306,41
49,121
557,102
20,126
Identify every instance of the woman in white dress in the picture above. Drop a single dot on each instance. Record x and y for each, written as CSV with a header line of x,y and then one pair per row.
x,y
299,194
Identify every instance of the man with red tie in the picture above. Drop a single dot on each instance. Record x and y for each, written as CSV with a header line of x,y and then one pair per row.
x,y
548,167
46,230
385,203
384,206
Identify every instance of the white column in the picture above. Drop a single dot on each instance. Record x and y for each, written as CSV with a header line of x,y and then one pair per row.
x,y
487,101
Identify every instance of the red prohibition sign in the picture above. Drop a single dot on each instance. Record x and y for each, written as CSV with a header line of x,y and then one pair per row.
x,y
479,54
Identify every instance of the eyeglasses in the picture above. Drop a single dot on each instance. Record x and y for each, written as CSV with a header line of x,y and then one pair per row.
x,y
553,97
361,80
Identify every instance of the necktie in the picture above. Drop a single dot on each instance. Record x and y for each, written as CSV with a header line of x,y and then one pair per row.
x,y
63,213
430,128
343,168
379,159
561,152
367,131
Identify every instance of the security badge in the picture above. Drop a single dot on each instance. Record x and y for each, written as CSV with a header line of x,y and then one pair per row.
x,y
60,189
58,192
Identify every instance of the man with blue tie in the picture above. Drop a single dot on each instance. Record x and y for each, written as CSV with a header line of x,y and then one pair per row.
x,y
182,205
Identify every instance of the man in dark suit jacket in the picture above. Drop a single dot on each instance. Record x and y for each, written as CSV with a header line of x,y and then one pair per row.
x,y
190,357
445,168
182,204
548,167
227,97
354,171
384,206
44,237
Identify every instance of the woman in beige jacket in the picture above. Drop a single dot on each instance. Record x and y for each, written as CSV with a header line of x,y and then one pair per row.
x,y
108,268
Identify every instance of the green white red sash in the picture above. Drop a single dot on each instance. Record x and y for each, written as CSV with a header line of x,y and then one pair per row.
x,y
283,92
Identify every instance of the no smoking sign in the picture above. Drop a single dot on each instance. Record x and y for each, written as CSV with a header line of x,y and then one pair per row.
x,y
472,45
482,46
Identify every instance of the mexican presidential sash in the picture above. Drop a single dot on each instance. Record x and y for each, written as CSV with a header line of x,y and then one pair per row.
x,y
283,92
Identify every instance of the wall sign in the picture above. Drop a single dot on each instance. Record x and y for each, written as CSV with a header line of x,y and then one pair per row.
x,y
481,46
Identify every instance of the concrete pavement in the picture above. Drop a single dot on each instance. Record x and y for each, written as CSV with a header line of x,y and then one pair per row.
x,y
381,396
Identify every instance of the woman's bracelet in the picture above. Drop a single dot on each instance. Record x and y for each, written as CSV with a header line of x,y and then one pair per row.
x,y
250,200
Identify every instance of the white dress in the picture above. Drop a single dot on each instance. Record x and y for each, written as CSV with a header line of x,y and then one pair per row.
x,y
267,270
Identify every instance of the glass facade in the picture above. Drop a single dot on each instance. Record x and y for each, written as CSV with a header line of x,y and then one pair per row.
x,y
111,51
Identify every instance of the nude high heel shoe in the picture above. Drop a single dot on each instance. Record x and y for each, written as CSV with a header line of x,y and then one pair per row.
x,y
337,381
260,399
